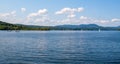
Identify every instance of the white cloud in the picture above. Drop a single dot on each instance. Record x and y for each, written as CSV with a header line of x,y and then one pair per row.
x,y
115,20
75,21
80,9
8,14
38,18
4,14
104,21
32,15
40,12
13,12
43,11
83,18
9,17
23,9
59,12
41,17
71,16
65,10
69,10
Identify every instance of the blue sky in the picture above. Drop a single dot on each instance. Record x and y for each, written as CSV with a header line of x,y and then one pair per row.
x,y
58,12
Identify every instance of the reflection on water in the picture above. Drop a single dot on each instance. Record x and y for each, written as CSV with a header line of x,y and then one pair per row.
x,y
59,47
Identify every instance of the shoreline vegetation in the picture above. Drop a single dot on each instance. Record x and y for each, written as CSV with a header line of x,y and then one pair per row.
x,y
83,27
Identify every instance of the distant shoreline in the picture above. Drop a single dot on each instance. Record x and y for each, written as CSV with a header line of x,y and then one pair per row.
x,y
57,30
83,27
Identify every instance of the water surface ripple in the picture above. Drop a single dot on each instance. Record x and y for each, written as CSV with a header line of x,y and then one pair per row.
x,y
60,47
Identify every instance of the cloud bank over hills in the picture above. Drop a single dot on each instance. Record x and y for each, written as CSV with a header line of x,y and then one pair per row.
x,y
42,17
60,12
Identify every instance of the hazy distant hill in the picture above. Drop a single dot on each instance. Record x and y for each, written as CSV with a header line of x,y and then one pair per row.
x,y
79,26
9,26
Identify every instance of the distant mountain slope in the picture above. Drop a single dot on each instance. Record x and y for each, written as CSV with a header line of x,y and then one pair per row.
x,y
79,26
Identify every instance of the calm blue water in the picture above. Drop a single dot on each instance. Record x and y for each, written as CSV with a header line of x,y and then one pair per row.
x,y
60,47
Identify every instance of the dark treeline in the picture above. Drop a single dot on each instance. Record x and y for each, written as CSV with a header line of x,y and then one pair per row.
x,y
8,26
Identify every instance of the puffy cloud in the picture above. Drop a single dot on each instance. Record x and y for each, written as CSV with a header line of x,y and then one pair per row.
x,y
77,21
115,20
38,18
69,10
80,9
83,18
4,14
104,21
13,13
9,17
23,9
65,10
32,15
43,11
71,16
41,18
40,12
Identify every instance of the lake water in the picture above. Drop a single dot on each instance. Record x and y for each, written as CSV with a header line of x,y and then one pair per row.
x,y
60,47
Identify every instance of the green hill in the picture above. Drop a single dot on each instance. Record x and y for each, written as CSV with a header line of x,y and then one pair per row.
x,y
9,26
